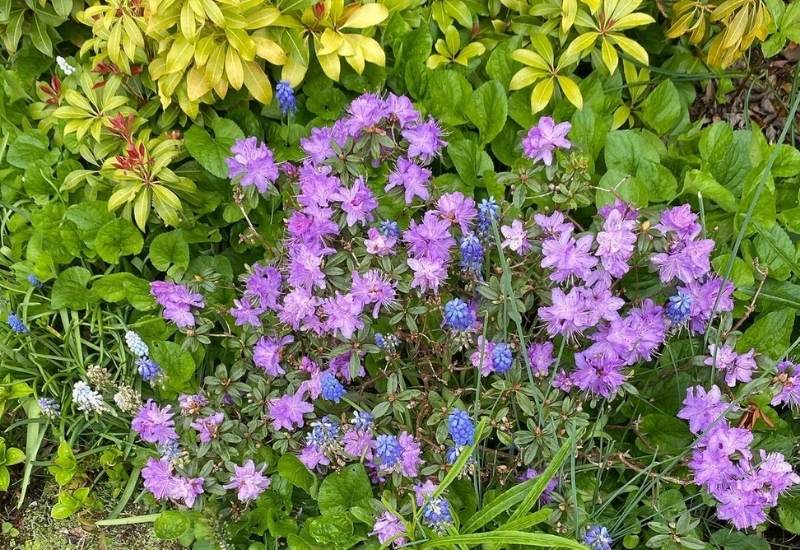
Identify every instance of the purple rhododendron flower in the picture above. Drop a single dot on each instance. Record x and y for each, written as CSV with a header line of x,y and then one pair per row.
x,y
177,301
252,163
154,424
544,138
702,408
267,354
457,209
248,481
568,257
388,527
428,274
287,411
208,426
424,140
379,244
515,237
540,357
357,202
413,178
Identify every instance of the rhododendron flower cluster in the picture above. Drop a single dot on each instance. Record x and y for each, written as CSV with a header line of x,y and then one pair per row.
x,y
359,337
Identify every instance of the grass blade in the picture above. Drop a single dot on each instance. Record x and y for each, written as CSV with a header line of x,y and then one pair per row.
x,y
541,540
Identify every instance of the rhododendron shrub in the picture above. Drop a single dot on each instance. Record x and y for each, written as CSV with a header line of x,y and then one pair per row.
x,y
393,317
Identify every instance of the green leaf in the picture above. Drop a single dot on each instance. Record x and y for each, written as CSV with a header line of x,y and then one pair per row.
x,y
667,433
89,217
589,130
696,181
170,249
725,154
626,150
333,529
662,109
505,538
448,94
118,238
727,539
764,213
14,456
69,290
177,365
470,160
769,334
67,505
170,525
210,153
787,163
327,103
789,513
28,148
64,466
776,251
116,287
295,472
500,66
347,488
5,478
487,109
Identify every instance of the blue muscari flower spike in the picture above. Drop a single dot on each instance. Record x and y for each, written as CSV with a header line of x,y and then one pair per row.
x,y
436,514
488,210
502,357
49,406
458,315
136,344
679,307
380,341
362,420
285,96
597,538
148,369
34,281
16,324
170,451
461,427
389,228
324,433
332,389
471,251
388,450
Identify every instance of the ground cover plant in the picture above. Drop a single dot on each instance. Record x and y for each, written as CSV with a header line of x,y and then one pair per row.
x,y
400,274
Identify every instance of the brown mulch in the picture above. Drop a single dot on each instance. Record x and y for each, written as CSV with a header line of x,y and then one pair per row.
x,y
764,94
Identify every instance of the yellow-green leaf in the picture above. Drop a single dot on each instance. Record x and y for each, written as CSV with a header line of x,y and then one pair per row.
x,y
233,68
330,65
197,85
179,55
368,15
609,56
525,77
473,49
257,82
630,47
571,91
269,50
141,208
532,59
541,94
579,45
633,20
